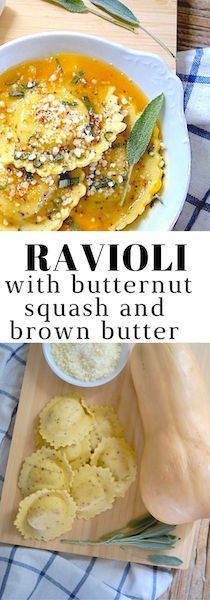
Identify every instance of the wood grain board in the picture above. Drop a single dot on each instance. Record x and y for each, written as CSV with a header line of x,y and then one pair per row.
x,y
39,385
21,17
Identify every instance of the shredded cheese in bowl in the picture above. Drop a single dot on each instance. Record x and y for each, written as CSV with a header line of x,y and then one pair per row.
x,y
86,362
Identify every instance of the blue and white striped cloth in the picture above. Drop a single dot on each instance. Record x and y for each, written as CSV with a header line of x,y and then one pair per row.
x,y
193,68
40,575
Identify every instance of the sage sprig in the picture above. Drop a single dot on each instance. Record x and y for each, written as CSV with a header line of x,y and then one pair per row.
x,y
118,9
171,561
76,6
108,14
140,137
113,11
141,534
122,12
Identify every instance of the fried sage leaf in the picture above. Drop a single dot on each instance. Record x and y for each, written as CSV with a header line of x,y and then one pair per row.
x,y
141,133
140,136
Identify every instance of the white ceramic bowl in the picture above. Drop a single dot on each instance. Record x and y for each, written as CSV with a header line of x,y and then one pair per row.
x,y
120,366
151,74
2,5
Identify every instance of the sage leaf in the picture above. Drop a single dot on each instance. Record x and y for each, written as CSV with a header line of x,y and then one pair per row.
x,y
88,105
123,16
69,103
141,133
110,19
144,533
77,78
16,94
76,6
118,9
141,522
71,223
140,137
160,559
4,187
59,67
67,181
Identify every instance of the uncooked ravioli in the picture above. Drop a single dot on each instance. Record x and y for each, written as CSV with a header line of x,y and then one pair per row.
x,y
39,440
78,454
46,468
58,483
65,420
116,455
107,424
45,515
92,490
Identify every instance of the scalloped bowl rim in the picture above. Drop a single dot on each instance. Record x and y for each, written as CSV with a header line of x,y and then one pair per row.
x,y
123,358
136,64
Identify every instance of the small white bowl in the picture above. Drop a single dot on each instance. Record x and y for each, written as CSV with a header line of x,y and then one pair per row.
x,y
153,76
54,367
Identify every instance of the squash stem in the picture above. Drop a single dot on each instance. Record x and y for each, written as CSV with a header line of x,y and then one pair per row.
x,y
127,185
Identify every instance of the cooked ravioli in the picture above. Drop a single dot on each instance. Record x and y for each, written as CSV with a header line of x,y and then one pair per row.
x,y
92,490
101,207
65,420
45,515
116,455
64,113
46,118
46,468
66,136
41,203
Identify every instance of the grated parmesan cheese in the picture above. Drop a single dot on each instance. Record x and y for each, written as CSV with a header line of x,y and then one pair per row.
x,y
86,362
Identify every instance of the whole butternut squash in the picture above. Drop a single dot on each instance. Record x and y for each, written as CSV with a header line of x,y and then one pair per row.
x,y
173,403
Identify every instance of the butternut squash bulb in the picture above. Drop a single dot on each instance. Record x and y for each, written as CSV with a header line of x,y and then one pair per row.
x,y
173,403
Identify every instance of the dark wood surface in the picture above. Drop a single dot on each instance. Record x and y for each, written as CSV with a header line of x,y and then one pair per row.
x,y
194,584
193,24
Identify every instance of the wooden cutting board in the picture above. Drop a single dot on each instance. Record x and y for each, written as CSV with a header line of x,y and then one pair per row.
x,y
39,385
21,17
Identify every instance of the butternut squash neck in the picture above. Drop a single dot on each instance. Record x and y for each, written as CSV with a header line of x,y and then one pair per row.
x,y
172,388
